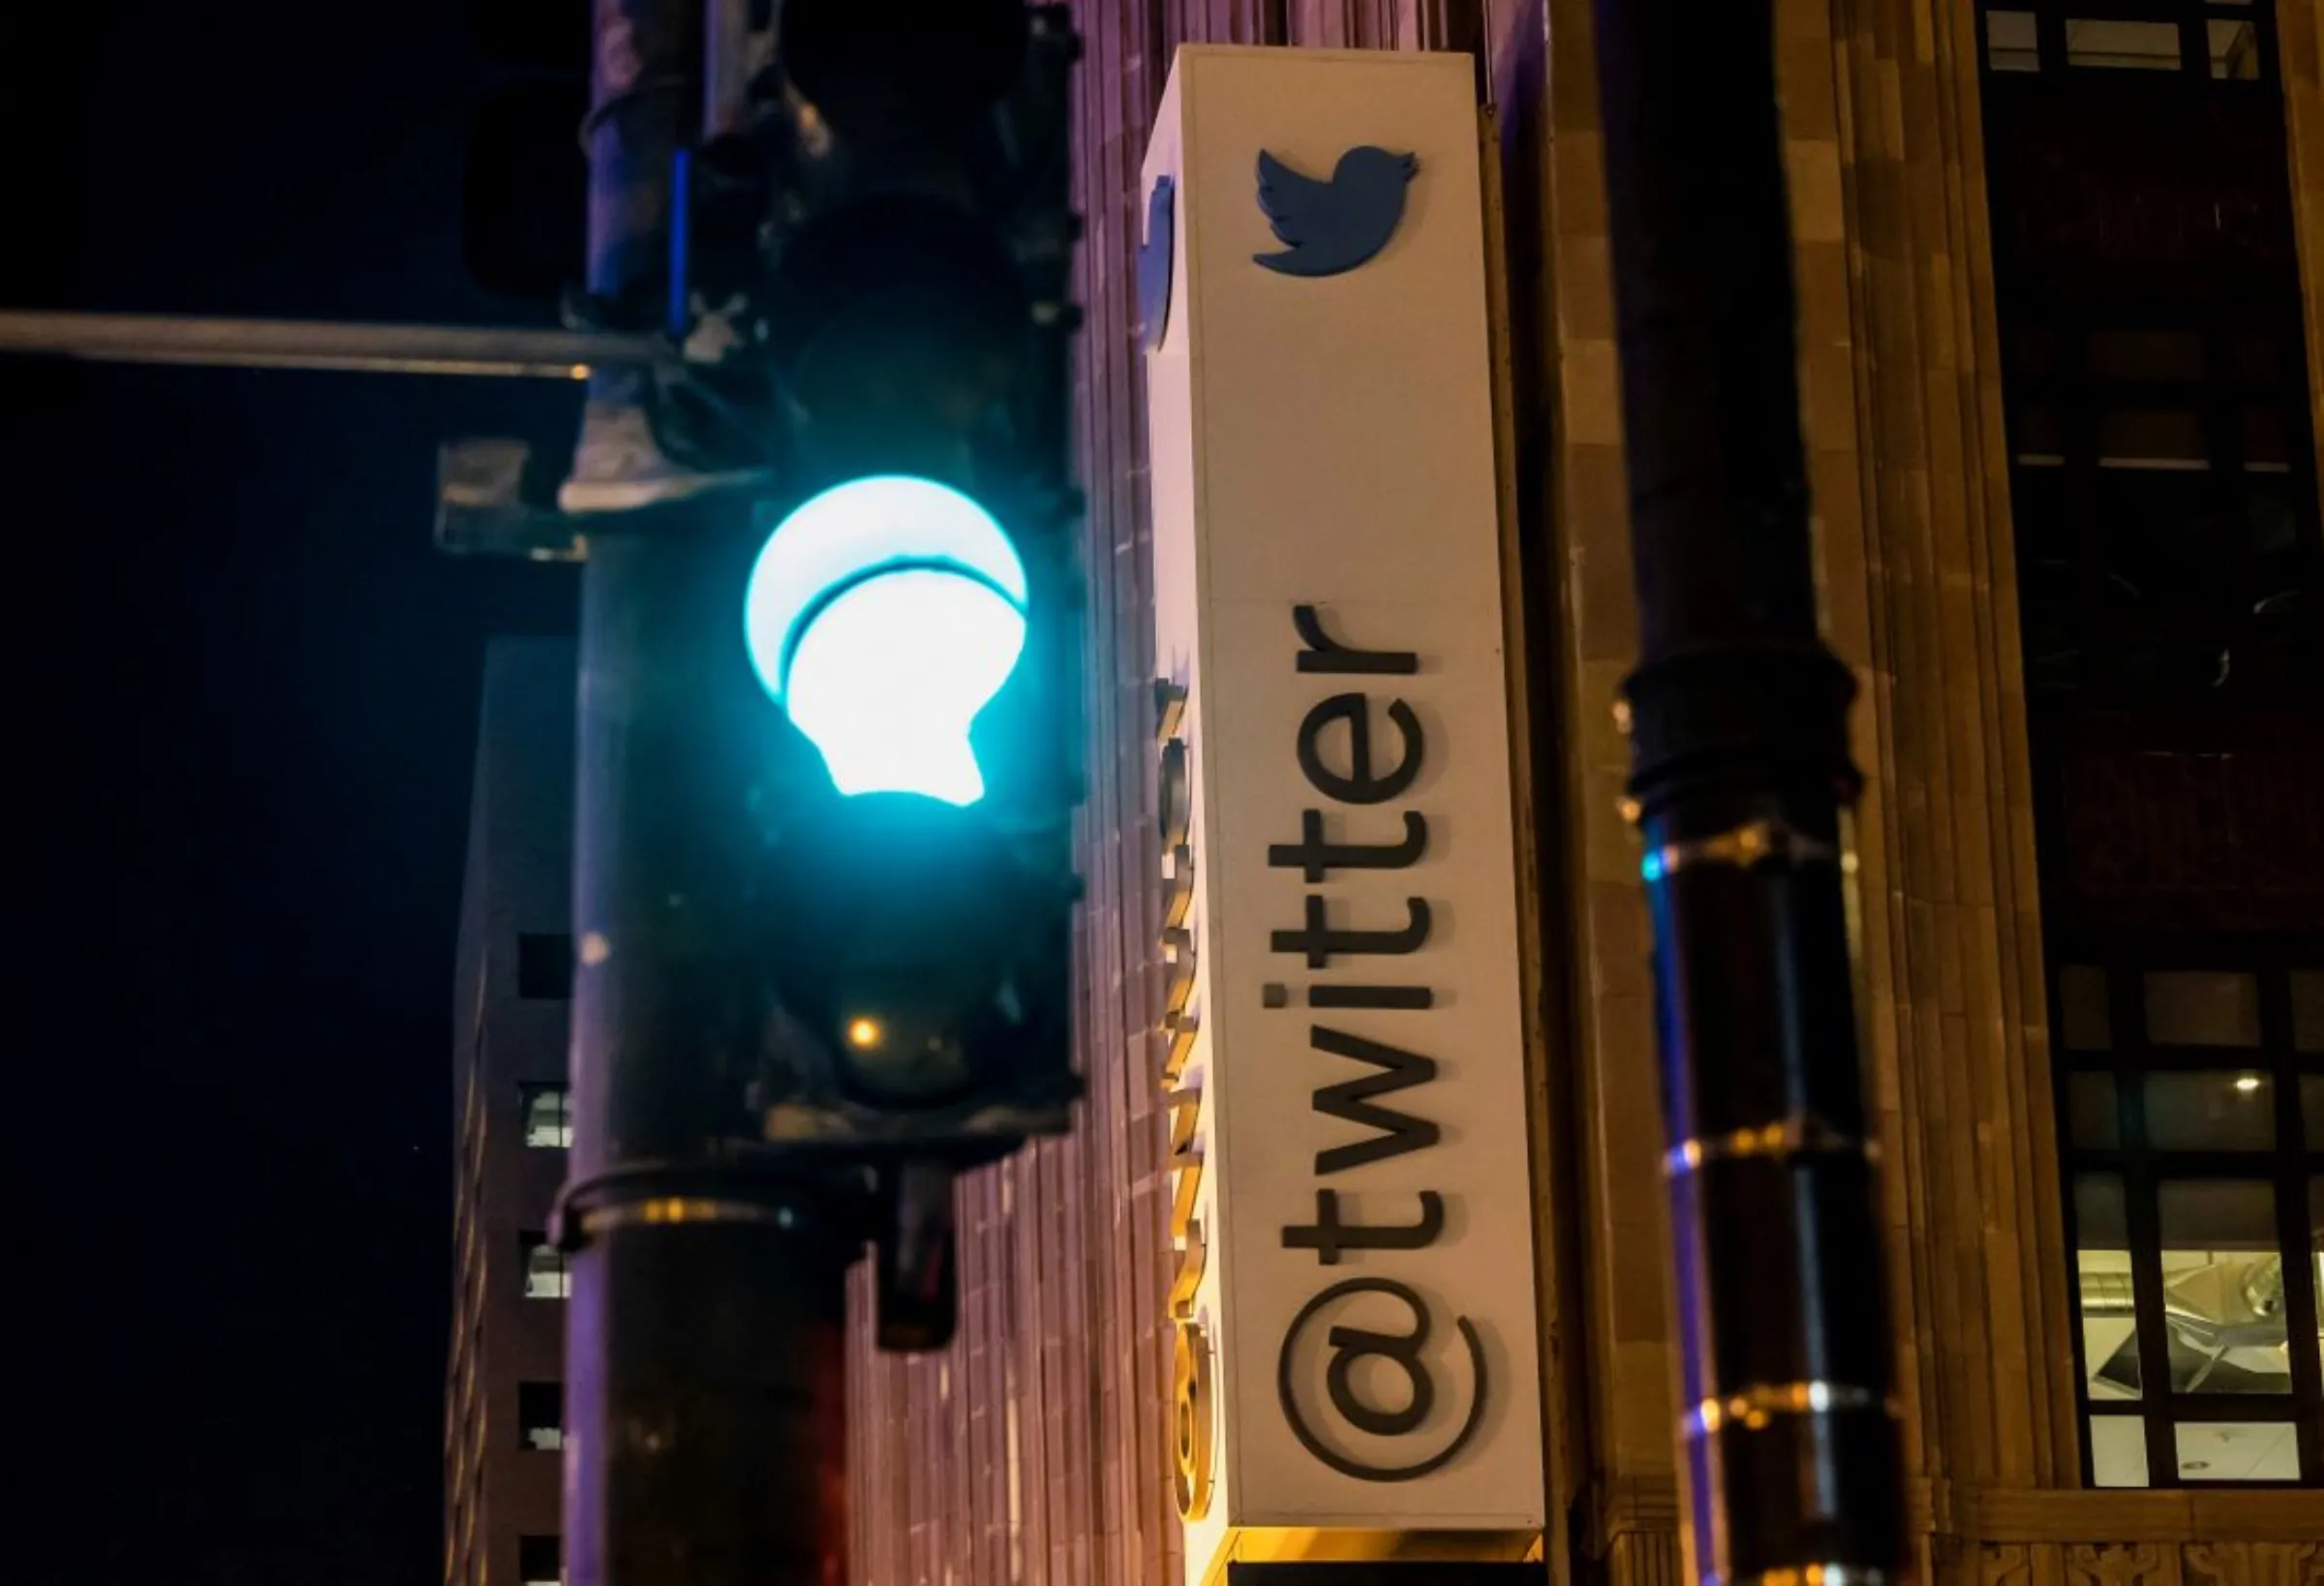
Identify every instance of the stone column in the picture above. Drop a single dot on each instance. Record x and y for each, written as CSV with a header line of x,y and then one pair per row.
x,y
2300,38
1921,571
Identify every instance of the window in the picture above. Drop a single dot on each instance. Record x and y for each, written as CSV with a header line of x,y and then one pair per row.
x,y
2163,473
2191,1096
546,1274
2011,42
548,1117
2108,42
541,1416
544,967
537,1562
2164,513
2234,49
2228,41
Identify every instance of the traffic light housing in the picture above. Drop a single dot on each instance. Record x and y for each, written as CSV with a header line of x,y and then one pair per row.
x,y
900,326
830,741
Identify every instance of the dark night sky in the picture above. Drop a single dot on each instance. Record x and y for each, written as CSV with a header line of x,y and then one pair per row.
x,y
242,704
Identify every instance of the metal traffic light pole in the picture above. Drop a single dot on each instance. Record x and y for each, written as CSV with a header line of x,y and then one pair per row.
x,y
704,1366
1789,1432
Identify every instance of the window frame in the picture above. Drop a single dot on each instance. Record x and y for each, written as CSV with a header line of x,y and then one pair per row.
x,y
2287,1166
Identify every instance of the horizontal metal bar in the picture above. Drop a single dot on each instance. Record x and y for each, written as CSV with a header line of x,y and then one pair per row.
x,y
323,344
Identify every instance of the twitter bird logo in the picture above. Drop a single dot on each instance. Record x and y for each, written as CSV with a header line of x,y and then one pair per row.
x,y
1154,264
1331,228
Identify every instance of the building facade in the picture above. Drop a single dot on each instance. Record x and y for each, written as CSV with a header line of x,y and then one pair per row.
x,y
503,1422
2060,272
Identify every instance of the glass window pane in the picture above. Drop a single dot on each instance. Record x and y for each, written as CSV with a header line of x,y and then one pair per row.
x,y
2234,50
547,1276
2272,519
2011,44
2153,437
2223,1286
2109,1308
2315,1240
2117,1450
2266,436
541,1416
2202,1008
2081,1017
2257,359
2146,354
2031,350
2223,1111
2307,1009
2137,46
2238,1450
548,1117
2092,1114
2039,441
2312,1109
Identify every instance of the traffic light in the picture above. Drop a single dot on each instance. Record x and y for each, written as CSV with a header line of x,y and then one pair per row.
x,y
884,245
830,747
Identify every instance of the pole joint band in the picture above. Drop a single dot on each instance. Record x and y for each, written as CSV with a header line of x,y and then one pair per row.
x,y
1763,841
659,1195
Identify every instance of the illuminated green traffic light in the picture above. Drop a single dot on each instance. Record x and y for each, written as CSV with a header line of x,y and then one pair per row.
x,y
882,616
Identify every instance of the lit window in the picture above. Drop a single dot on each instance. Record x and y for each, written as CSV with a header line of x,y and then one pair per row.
x,y
2236,1451
546,1274
2191,1106
541,1416
2118,44
2011,42
537,1562
548,1117
2234,50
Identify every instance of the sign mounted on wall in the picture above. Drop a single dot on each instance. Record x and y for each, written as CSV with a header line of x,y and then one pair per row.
x,y
1343,1051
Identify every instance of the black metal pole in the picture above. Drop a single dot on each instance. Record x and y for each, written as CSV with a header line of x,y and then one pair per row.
x,y
705,1388
1788,1433
705,1398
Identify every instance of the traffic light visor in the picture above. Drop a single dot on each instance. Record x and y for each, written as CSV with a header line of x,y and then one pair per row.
x,y
882,614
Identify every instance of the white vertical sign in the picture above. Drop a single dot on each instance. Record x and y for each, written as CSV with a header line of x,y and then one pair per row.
x,y
1344,1056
